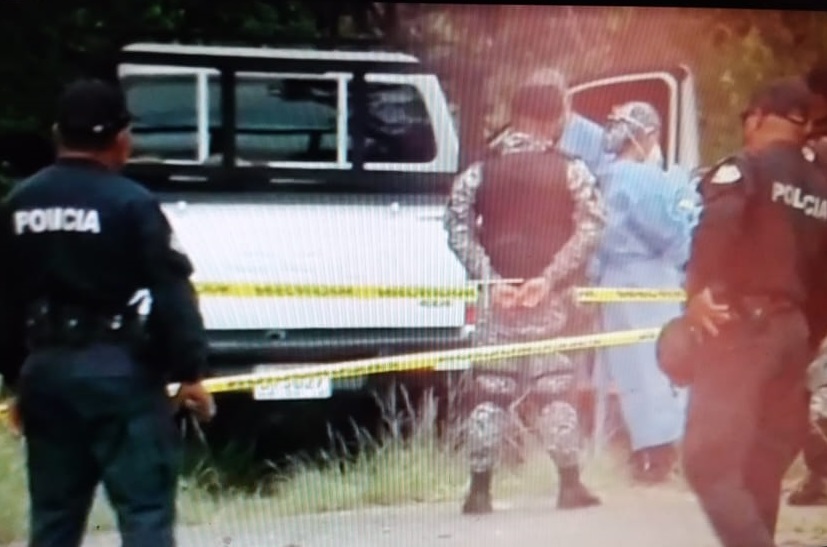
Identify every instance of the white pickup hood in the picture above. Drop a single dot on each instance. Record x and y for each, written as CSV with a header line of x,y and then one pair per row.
x,y
319,240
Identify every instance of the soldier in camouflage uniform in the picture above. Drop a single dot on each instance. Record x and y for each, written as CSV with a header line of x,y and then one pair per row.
x,y
531,213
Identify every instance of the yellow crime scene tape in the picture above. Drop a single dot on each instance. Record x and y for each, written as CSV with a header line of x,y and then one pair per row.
x,y
467,293
359,292
605,295
421,361
426,360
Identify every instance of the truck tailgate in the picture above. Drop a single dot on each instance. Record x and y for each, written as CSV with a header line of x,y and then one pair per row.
x,y
312,239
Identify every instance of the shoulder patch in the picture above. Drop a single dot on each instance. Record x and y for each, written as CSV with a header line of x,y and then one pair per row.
x,y
808,153
727,173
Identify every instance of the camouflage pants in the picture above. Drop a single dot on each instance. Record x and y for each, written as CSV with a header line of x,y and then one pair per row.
x,y
499,399
499,393
815,447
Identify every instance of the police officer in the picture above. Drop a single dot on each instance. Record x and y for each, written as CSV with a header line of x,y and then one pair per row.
x,y
812,490
527,213
77,242
758,252
645,244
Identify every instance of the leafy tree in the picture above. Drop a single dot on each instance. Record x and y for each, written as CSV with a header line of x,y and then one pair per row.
x,y
482,52
730,51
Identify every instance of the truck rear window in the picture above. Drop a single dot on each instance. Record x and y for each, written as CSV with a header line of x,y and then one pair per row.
x,y
279,118
166,113
283,119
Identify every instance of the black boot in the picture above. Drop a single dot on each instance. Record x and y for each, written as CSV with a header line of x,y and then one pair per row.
x,y
573,494
479,497
810,491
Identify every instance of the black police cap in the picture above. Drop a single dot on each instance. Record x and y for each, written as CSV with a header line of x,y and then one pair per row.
x,y
788,98
92,110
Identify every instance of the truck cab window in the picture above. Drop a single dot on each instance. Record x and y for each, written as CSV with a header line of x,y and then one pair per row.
x,y
286,119
398,128
177,115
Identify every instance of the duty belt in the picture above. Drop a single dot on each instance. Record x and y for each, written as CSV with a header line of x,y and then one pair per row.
x,y
49,324
757,307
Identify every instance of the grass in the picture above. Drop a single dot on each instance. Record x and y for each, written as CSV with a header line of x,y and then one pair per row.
x,y
409,463
13,509
395,469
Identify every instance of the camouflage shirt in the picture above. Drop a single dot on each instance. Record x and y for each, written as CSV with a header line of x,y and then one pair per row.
x,y
461,224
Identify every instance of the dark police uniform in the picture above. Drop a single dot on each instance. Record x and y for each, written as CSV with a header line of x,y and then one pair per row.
x,y
77,242
760,247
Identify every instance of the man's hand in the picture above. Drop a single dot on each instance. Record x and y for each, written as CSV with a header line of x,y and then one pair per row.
x,y
534,291
702,310
196,398
504,296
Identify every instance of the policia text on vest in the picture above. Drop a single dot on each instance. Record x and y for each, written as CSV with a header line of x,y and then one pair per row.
x,y
57,219
793,196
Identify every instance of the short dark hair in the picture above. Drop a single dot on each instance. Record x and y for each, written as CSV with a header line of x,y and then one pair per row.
x,y
90,114
539,102
788,98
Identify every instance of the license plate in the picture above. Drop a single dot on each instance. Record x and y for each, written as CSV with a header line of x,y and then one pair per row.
x,y
293,390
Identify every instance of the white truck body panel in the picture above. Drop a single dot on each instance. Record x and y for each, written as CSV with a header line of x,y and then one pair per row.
x,y
359,241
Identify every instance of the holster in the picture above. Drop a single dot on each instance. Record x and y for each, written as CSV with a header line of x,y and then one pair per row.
x,y
679,345
677,349
50,324
756,308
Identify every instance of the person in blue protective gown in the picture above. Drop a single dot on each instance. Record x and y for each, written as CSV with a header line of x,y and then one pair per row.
x,y
651,214
583,139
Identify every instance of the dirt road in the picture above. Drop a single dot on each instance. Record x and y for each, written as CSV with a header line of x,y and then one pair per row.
x,y
634,518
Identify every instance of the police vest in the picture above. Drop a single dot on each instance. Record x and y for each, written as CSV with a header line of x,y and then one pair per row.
x,y
526,209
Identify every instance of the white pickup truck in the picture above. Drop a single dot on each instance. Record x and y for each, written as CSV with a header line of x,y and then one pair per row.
x,y
308,167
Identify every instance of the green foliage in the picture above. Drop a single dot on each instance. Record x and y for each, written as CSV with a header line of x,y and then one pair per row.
x,y
729,50
391,469
40,55
13,499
